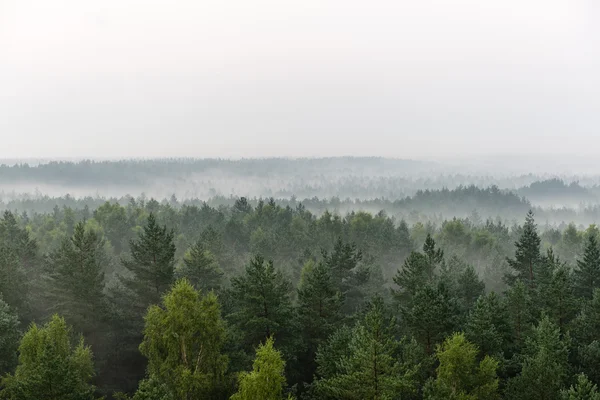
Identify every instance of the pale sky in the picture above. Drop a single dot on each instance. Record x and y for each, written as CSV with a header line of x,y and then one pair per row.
x,y
248,78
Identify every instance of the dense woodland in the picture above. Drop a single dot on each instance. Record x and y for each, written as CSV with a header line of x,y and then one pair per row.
x,y
237,298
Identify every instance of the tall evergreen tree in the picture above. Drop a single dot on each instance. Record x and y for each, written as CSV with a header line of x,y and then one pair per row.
x,y
319,313
519,308
151,264
460,375
372,370
587,271
413,275
183,340
559,298
14,285
488,325
527,254
545,365
76,280
262,305
583,390
50,367
434,256
432,316
267,379
200,267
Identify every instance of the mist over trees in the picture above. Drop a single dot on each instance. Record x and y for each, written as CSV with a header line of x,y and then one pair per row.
x,y
454,292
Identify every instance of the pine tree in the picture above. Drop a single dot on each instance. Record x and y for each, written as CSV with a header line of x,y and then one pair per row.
x,y
587,271
434,256
319,306
200,267
183,340
432,316
460,376
262,305
76,281
9,338
527,254
13,280
545,364
20,242
583,390
267,379
488,326
469,287
371,370
151,264
50,367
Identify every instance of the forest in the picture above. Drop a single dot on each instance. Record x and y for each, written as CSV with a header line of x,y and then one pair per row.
x,y
404,287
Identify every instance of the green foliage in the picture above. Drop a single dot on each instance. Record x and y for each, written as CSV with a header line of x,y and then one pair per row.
x,y
50,366
587,271
151,263
460,376
488,325
545,364
200,267
13,279
262,304
267,380
183,341
9,338
519,307
527,254
559,299
432,316
583,390
371,369
76,280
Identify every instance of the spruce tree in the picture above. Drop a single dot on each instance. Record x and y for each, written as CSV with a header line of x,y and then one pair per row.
x,y
432,316
200,267
583,390
76,280
319,306
267,379
262,305
527,254
587,271
460,375
50,366
488,325
151,264
182,341
559,299
14,285
519,308
434,256
371,370
468,288
413,275
545,364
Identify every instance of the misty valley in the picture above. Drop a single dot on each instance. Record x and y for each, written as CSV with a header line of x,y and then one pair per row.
x,y
338,278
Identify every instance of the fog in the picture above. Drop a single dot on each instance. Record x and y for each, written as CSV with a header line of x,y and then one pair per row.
x,y
429,79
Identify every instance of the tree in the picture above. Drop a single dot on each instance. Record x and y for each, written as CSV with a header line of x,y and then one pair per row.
x,y
262,304
50,366
559,298
432,316
527,254
14,285
9,338
20,242
545,364
200,267
518,306
587,271
267,380
434,256
469,287
460,376
371,370
319,307
583,390
76,280
151,264
183,341
413,275
488,326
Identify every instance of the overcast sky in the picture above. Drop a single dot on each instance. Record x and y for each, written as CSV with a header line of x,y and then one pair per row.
x,y
245,78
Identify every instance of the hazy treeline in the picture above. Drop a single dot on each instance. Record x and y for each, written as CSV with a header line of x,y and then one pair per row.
x,y
344,177
264,301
